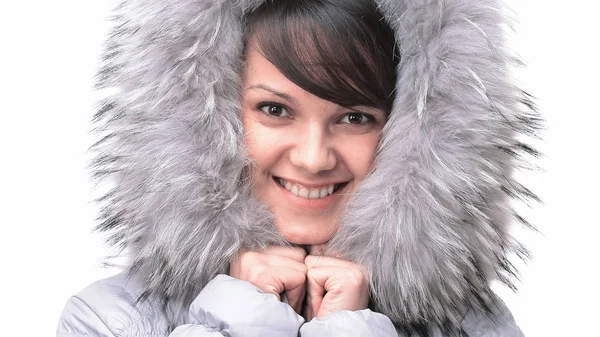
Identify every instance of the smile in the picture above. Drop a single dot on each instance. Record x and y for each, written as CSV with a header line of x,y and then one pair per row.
x,y
309,193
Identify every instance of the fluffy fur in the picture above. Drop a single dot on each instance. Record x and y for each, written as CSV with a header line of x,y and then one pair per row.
x,y
431,222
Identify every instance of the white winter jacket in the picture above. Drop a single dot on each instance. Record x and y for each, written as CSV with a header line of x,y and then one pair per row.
x,y
431,222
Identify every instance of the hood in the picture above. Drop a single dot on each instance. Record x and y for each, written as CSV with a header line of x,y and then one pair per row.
x,y
432,221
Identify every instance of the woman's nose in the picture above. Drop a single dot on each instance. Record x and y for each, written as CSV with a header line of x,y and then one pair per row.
x,y
313,151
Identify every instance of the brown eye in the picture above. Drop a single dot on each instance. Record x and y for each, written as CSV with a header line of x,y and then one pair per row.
x,y
274,110
356,118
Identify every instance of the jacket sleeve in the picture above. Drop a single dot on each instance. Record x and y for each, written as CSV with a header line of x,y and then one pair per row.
x,y
238,308
500,323
350,323
367,323
78,319
225,307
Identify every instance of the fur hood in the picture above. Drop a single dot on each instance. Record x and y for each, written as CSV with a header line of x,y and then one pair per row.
x,y
431,222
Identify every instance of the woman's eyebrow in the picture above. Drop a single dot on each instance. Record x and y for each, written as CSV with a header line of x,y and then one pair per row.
x,y
273,91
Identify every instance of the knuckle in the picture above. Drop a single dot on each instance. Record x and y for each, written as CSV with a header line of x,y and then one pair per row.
x,y
295,280
302,268
247,258
356,278
257,271
302,277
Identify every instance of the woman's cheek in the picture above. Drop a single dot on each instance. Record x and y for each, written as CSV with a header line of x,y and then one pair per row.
x,y
358,152
265,142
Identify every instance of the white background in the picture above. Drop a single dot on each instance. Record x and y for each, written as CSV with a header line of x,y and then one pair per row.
x,y
48,58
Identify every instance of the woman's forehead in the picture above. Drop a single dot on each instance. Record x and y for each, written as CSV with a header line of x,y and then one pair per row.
x,y
260,73
261,78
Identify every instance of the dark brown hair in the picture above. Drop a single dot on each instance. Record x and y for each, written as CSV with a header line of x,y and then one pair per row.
x,y
339,50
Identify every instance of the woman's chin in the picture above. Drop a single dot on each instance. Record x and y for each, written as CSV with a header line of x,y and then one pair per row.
x,y
305,236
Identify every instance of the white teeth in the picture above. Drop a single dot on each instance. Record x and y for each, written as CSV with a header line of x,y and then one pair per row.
x,y
303,192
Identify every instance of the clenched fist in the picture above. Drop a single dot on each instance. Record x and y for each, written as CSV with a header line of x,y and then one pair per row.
x,y
334,284
274,270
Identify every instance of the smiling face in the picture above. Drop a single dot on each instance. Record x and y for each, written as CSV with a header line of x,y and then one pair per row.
x,y
309,154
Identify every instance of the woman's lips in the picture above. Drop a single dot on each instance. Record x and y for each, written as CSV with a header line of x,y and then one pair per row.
x,y
303,198
306,191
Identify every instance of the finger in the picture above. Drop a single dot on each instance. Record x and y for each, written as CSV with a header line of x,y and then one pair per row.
x,y
295,253
327,261
285,262
316,280
270,287
251,258
314,261
295,297
294,286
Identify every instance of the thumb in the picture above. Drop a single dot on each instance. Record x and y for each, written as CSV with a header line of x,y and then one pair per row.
x,y
316,290
295,296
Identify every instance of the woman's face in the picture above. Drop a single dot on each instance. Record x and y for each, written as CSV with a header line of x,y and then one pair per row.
x,y
309,154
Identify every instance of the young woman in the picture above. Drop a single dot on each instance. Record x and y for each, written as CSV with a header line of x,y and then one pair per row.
x,y
309,167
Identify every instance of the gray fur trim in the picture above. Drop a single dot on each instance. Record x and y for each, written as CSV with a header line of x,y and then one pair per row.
x,y
431,222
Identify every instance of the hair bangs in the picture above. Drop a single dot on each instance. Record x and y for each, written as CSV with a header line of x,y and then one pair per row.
x,y
340,52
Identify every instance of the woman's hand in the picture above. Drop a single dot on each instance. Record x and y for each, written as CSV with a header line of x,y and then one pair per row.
x,y
274,270
334,284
